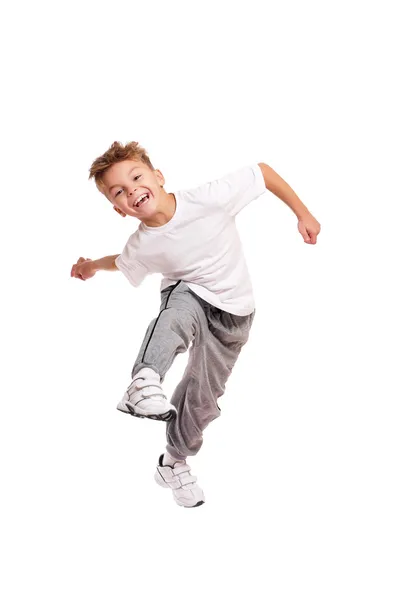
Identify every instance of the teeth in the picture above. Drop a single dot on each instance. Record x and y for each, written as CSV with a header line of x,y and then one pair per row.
x,y
140,198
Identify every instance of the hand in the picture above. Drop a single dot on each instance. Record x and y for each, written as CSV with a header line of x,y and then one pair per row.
x,y
83,269
309,228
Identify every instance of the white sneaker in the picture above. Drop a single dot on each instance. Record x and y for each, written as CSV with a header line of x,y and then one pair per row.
x,y
145,398
186,492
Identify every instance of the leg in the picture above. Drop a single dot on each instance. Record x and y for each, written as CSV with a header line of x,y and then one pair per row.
x,y
170,333
212,357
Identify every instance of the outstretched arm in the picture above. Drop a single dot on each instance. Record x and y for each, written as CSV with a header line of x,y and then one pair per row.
x,y
308,226
85,268
107,263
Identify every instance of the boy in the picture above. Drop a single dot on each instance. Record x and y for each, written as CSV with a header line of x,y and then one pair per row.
x,y
207,303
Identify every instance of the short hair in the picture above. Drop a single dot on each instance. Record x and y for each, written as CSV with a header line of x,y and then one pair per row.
x,y
117,153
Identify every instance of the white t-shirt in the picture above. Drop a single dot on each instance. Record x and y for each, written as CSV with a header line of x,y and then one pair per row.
x,y
200,244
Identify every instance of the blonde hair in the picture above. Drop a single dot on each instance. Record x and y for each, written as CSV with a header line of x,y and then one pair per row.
x,y
117,153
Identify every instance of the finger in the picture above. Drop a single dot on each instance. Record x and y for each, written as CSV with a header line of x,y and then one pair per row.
x,y
304,233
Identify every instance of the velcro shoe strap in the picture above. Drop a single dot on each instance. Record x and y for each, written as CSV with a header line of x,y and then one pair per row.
x,y
177,482
174,483
187,480
155,395
183,473
169,478
181,469
141,383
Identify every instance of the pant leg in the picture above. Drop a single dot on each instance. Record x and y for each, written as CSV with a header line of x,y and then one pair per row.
x,y
213,354
171,332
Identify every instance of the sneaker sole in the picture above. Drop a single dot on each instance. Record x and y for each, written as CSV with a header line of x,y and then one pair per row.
x,y
167,416
194,506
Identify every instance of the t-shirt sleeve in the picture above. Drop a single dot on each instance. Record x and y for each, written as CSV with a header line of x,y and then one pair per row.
x,y
235,190
128,263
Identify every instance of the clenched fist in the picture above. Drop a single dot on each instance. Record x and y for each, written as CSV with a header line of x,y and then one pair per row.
x,y
83,269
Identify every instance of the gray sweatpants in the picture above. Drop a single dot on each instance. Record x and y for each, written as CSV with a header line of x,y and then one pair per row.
x,y
217,338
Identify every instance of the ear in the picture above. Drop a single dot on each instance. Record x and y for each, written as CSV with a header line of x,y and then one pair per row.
x,y
159,177
119,211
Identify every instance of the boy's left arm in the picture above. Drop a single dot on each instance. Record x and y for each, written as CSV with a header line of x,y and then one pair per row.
x,y
308,226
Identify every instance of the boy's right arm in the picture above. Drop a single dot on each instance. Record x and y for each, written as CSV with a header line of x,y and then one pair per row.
x,y
86,268
107,263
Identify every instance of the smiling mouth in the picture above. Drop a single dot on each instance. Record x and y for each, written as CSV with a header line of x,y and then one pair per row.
x,y
143,200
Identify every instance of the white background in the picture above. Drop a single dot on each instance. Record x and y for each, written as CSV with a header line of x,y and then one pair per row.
x,y
300,471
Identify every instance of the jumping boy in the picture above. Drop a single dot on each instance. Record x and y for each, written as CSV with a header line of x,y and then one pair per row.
x,y
207,303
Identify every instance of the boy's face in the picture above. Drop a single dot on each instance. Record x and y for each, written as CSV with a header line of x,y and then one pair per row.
x,y
127,181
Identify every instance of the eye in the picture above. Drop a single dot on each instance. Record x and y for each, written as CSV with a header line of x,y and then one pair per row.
x,y
136,177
